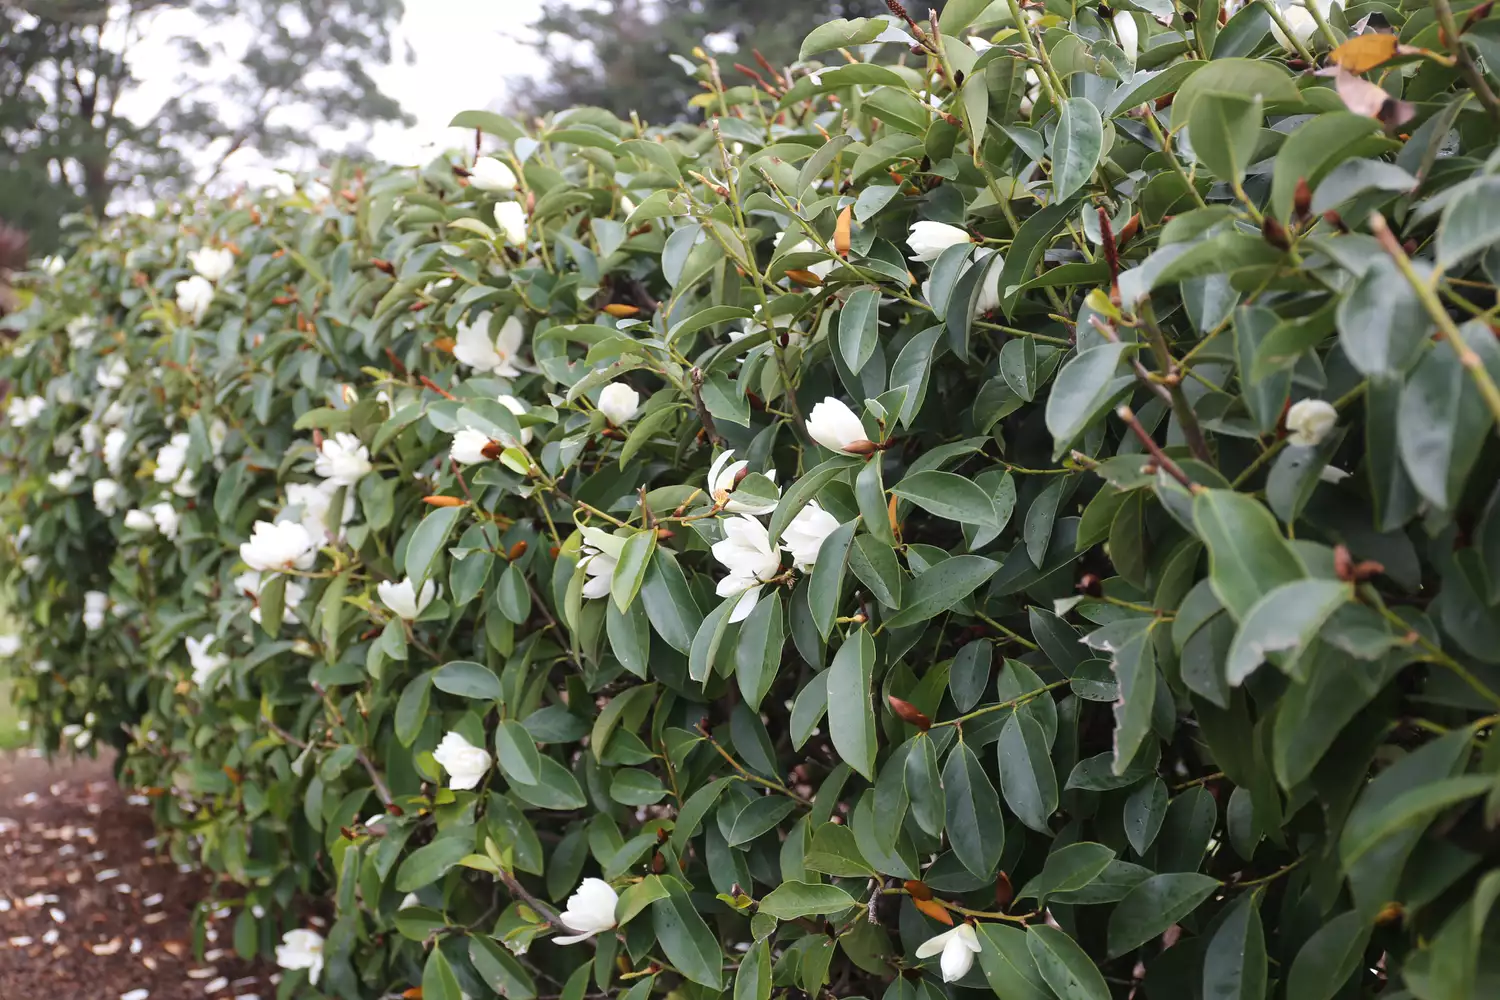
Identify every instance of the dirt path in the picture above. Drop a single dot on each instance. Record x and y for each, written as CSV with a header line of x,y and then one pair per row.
x,y
88,909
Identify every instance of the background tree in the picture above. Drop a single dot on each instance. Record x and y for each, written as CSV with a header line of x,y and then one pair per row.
x,y
273,75
618,54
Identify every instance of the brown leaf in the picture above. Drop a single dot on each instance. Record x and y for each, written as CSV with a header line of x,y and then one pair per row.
x,y
841,231
804,278
933,909
917,889
909,713
1365,52
620,310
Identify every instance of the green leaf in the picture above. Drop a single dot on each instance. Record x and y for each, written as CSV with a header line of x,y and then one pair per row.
x,y
516,752
1234,964
438,980
859,327
426,545
1443,420
1026,776
1382,325
1068,869
468,680
628,708
976,829
630,570
1068,970
1284,620
753,979
629,636
1248,557
500,970
1225,132
826,584
970,674
836,34
1376,820
1238,78
1470,223
704,654
1083,389
1008,965
1153,906
851,716
1144,810
1314,148
939,587
947,495
875,565
1325,963
428,863
1028,248
688,942
1076,146
411,708
757,656
488,121
669,603
924,786
792,900
803,490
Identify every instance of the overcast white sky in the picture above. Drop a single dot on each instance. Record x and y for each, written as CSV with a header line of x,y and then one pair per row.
x,y
453,70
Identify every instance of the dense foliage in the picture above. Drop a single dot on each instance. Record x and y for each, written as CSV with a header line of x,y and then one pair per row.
x,y
1019,516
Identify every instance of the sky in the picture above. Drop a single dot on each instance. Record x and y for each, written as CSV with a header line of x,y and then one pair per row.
x,y
451,71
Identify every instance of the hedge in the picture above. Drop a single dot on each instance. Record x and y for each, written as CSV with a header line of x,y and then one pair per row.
x,y
995,508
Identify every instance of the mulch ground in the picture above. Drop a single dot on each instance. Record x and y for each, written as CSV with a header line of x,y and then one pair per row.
x,y
89,910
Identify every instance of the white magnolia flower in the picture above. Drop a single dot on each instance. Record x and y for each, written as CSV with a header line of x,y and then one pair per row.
x,y
218,433
22,410
958,948
95,604
53,265
212,264
989,292
194,296
747,553
301,949
205,664
30,564
510,216
929,239
171,460
1309,421
116,412
591,910
402,597
465,763
342,459
114,448
1128,34
517,407
139,520
834,426
468,446
619,403
804,536
80,330
822,268
278,546
1301,22
106,496
309,502
62,479
249,583
112,374
598,556
165,517
724,475
978,44
490,174
185,487
499,356
10,645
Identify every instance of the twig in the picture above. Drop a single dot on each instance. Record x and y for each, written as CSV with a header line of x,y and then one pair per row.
x,y
757,779
704,417
1439,314
1187,419
986,710
1162,459
1471,73
519,891
381,789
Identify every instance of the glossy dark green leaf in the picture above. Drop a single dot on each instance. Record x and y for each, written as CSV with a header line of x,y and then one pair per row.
x,y
826,584
1026,776
515,752
851,715
791,900
468,680
757,657
1065,966
1008,965
948,496
1076,146
974,823
686,939
1443,420
1325,963
669,603
1153,906
874,564
859,327
939,587
1083,391
1234,965
1144,811
970,674
1381,323
427,542
1225,133
630,569
1248,557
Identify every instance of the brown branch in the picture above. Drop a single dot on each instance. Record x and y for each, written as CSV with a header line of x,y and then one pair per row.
x,y
704,417
1161,458
1465,59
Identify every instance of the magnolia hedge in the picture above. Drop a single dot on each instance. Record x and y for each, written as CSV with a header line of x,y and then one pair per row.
x,y
1007,504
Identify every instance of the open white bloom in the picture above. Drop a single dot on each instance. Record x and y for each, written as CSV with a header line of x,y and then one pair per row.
x,y
309,503
619,403
301,949
95,604
598,556
22,410
106,496
342,459
171,460
112,374
724,475
490,174
1128,34
10,644
1303,26
30,564
929,239
979,44
747,553
139,520
804,536
834,426
80,330
403,599
517,407
1309,421
499,356
116,412
822,268
218,433
212,264
165,517
958,948
114,448
249,583
194,296
989,292
62,479
205,664
468,446
591,910
278,546
53,265
465,763
510,216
